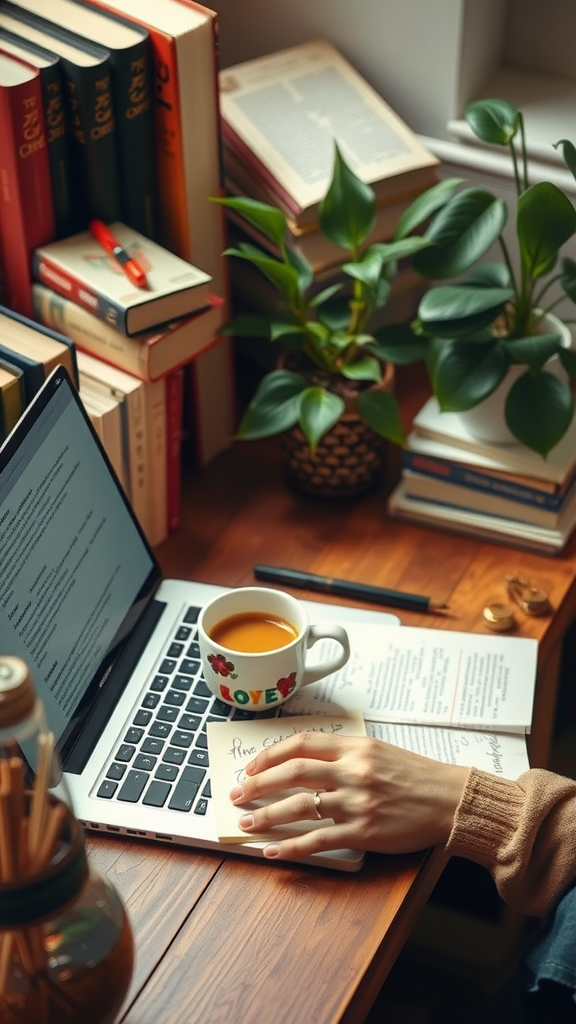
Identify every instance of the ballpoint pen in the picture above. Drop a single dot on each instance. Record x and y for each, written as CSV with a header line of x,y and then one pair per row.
x,y
129,265
347,588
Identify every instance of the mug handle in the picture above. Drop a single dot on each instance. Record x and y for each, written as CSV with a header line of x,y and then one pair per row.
x,y
329,631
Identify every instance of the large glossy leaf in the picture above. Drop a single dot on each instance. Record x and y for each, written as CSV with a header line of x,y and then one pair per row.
x,y
465,374
545,220
493,120
568,359
275,407
319,411
268,219
380,411
539,409
398,344
534,350
284,277
425,205
487,275
348,211
454,310
462,232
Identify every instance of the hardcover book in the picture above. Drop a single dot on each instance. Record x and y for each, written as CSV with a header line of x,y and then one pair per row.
x,y
282,113
80,269
11,396
148,355
130,57
35,350
26,205
87,76
48,64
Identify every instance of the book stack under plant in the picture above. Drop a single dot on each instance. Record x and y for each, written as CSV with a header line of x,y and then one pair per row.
x,y
501,492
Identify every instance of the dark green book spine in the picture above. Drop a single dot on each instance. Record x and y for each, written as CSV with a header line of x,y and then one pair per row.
x,y
58,149
93,137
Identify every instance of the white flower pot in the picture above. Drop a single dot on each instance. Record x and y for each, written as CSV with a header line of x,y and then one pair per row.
x,y
486,420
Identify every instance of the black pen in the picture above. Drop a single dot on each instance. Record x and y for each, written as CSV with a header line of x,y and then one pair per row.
x,y
347,588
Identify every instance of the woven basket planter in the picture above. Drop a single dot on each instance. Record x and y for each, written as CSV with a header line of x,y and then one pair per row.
x,y
349,460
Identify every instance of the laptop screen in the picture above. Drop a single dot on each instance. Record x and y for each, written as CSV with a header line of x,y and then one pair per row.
x,y
76,571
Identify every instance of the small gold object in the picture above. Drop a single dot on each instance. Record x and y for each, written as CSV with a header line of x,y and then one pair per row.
x,y
498,617
531,599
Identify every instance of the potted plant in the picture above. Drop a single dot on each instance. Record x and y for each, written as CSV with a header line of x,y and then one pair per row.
x,y
336,363
492,330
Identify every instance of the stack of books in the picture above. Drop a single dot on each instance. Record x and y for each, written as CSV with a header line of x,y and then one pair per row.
x,y
109,109
133,344
503,493
281,115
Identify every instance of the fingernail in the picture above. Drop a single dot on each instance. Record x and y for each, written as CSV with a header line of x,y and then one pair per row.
x,y
237,794
271,851
246,821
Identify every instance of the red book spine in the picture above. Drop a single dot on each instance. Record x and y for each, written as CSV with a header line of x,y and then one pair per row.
x,y
26,203
174,413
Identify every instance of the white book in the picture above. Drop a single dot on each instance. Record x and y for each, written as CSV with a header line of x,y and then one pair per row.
x,y
137,432
106,417
282,112
447,428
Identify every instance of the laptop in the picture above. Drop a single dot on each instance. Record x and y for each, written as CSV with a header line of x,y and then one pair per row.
x,y
111,644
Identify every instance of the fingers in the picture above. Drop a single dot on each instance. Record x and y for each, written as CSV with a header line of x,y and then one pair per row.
x,y
316,745
296,807
319,840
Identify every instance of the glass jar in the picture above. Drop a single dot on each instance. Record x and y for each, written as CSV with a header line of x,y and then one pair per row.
x,y
66,947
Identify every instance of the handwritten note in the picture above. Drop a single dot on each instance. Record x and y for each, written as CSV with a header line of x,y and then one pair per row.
x,y
232,745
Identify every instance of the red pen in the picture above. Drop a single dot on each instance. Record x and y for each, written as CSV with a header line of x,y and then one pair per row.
x,y
130,266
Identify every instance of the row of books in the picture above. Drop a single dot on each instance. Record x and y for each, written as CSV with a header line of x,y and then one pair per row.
x,y
132,67
281,115
504,493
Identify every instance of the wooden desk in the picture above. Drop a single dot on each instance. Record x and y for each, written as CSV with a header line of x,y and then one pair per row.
x,y
221,938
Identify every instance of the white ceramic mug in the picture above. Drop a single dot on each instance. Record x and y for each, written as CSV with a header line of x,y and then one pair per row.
x,y
260,680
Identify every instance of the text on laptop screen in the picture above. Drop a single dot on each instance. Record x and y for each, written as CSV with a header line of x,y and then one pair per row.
x,y
73,561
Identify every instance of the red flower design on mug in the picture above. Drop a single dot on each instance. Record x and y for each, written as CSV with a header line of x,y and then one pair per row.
x,y
220,666
286,685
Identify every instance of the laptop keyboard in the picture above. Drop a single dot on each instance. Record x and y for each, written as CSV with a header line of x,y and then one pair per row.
x,y
162,758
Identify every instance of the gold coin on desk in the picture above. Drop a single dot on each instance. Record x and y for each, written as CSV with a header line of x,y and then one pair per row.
x,y
498,617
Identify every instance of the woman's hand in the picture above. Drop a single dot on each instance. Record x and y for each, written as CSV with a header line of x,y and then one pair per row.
x,y
375,796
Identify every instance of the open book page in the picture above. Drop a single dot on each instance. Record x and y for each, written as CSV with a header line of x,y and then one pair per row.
x,y
427,677
289,107
232,745
502,754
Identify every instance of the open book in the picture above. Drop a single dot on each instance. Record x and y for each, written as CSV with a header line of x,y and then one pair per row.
x,y
281,114
461,698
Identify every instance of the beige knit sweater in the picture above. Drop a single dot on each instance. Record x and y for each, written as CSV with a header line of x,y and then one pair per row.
x,y
523,832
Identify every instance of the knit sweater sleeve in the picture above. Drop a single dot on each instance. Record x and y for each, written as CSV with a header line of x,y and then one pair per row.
x,y
523,832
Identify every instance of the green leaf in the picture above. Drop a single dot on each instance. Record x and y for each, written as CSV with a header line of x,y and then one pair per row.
x,y
465,374
493,120
284,277
324,295
363,369
319,411
348,211
454,310
397,343
567,357
488,275
569,154
534,350
275,407
539,410
425,205
268,219
380,411
568,277
545,220
462,232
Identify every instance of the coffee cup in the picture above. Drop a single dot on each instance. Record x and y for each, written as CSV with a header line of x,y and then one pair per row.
x,y
254,643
